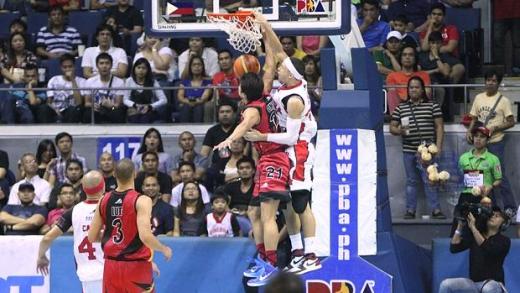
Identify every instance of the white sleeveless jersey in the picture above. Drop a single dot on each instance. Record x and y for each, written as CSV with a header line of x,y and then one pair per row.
x,y
221,228
309,126
89,256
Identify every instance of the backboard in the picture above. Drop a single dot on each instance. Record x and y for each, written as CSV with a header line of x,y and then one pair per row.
x,y
186,18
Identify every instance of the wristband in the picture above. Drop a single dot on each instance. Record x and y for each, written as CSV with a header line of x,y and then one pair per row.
x,y
457,232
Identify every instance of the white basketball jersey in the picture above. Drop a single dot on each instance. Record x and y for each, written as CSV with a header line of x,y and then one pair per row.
x,y
220,228
89,256
309,125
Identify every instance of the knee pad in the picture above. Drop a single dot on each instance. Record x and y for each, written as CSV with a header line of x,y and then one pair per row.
x,y
300,199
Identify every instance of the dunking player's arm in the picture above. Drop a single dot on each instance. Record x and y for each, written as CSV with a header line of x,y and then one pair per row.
x,y
144,214
250,118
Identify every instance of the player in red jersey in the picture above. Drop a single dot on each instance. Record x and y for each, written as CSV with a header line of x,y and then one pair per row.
x,y
272,172
127,238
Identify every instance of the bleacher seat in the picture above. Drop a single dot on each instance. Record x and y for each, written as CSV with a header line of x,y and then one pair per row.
x,y
35,21
52,67
5,20
138,4
77,66
85,22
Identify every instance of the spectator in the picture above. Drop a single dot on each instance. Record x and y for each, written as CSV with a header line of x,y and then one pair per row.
x,y
220,222
65,101
107,104
45,152
74,174
241,190
415,10
220,131
400,24
42,188
506,18
188,153
186,173
102,4
488,249
311,45
65,5
194,92
107,168
197,48
226,80
144,106
39,5
312,75
161,59
227,167
409,69
117,40
4,178
16,59
373,30
289,47
56,39
130,20
450,33
119,65
66,200
24,219
162,213
425,124
152,141
494,111
191,213
19,105
57,166
150,165
387,60
16,26
478,163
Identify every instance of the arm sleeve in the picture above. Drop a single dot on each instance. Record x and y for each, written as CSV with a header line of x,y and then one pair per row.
x,y
127,93
235,226
65,221
290,136
159,95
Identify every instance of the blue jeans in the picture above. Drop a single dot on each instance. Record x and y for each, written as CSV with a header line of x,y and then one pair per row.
x,y
416,176
504,191
191,114
464,285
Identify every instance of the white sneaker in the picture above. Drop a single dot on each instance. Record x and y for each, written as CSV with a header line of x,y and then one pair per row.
x,y
294,265
309,264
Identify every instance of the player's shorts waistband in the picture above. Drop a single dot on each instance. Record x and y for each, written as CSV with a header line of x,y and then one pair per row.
x,y
272,153
125,259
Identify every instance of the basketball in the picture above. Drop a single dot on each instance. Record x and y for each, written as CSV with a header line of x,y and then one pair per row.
x,y
246,63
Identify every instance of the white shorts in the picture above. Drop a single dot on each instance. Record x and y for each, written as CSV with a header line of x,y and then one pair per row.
x,y
92,286
301,156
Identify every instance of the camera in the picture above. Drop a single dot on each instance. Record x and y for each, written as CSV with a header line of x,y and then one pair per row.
x,y
480,212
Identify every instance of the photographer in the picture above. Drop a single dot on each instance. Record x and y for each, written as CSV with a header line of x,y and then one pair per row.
x,y
482,172
487,250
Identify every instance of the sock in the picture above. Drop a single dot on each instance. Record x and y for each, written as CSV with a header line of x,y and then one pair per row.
x,y
296,241
309,245
271,257
261,250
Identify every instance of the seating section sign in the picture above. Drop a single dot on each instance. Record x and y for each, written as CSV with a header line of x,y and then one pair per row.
x,y
344,203
119,147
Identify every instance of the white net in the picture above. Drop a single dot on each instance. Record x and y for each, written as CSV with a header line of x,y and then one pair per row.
x,y
244,35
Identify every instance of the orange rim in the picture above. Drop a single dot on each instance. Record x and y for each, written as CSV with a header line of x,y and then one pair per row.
x,y
242,15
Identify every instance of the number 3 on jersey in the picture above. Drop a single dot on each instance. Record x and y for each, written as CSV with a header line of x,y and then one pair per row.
x,y
86,247
118,226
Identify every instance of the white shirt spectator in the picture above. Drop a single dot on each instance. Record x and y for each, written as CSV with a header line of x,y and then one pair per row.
x,y
42,191
89,58
172,70
210,57
62,99
95,82
158,100
177,194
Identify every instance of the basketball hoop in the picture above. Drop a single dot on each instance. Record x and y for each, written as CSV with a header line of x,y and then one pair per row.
x,y
244,33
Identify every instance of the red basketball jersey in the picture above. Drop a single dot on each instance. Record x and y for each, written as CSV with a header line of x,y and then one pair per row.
x,y
121,237
268,124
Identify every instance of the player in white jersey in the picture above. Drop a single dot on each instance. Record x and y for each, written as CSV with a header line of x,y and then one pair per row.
x,y
89,256
300,126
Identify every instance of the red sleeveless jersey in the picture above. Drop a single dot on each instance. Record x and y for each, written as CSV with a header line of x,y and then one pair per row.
x,y
268,124
121,237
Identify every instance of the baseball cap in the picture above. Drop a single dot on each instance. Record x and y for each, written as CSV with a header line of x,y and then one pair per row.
x,y
26,185
479,127
394,34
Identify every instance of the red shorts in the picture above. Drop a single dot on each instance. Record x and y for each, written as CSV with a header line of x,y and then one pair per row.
x,y
127,276
272,176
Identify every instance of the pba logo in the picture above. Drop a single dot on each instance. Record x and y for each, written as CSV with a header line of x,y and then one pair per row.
x,y
309,6
338,286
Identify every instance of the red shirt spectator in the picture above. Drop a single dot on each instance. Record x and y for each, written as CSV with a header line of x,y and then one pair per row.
x,y
450,33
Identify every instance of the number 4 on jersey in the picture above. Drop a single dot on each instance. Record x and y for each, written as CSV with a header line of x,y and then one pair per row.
x,y
86,247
